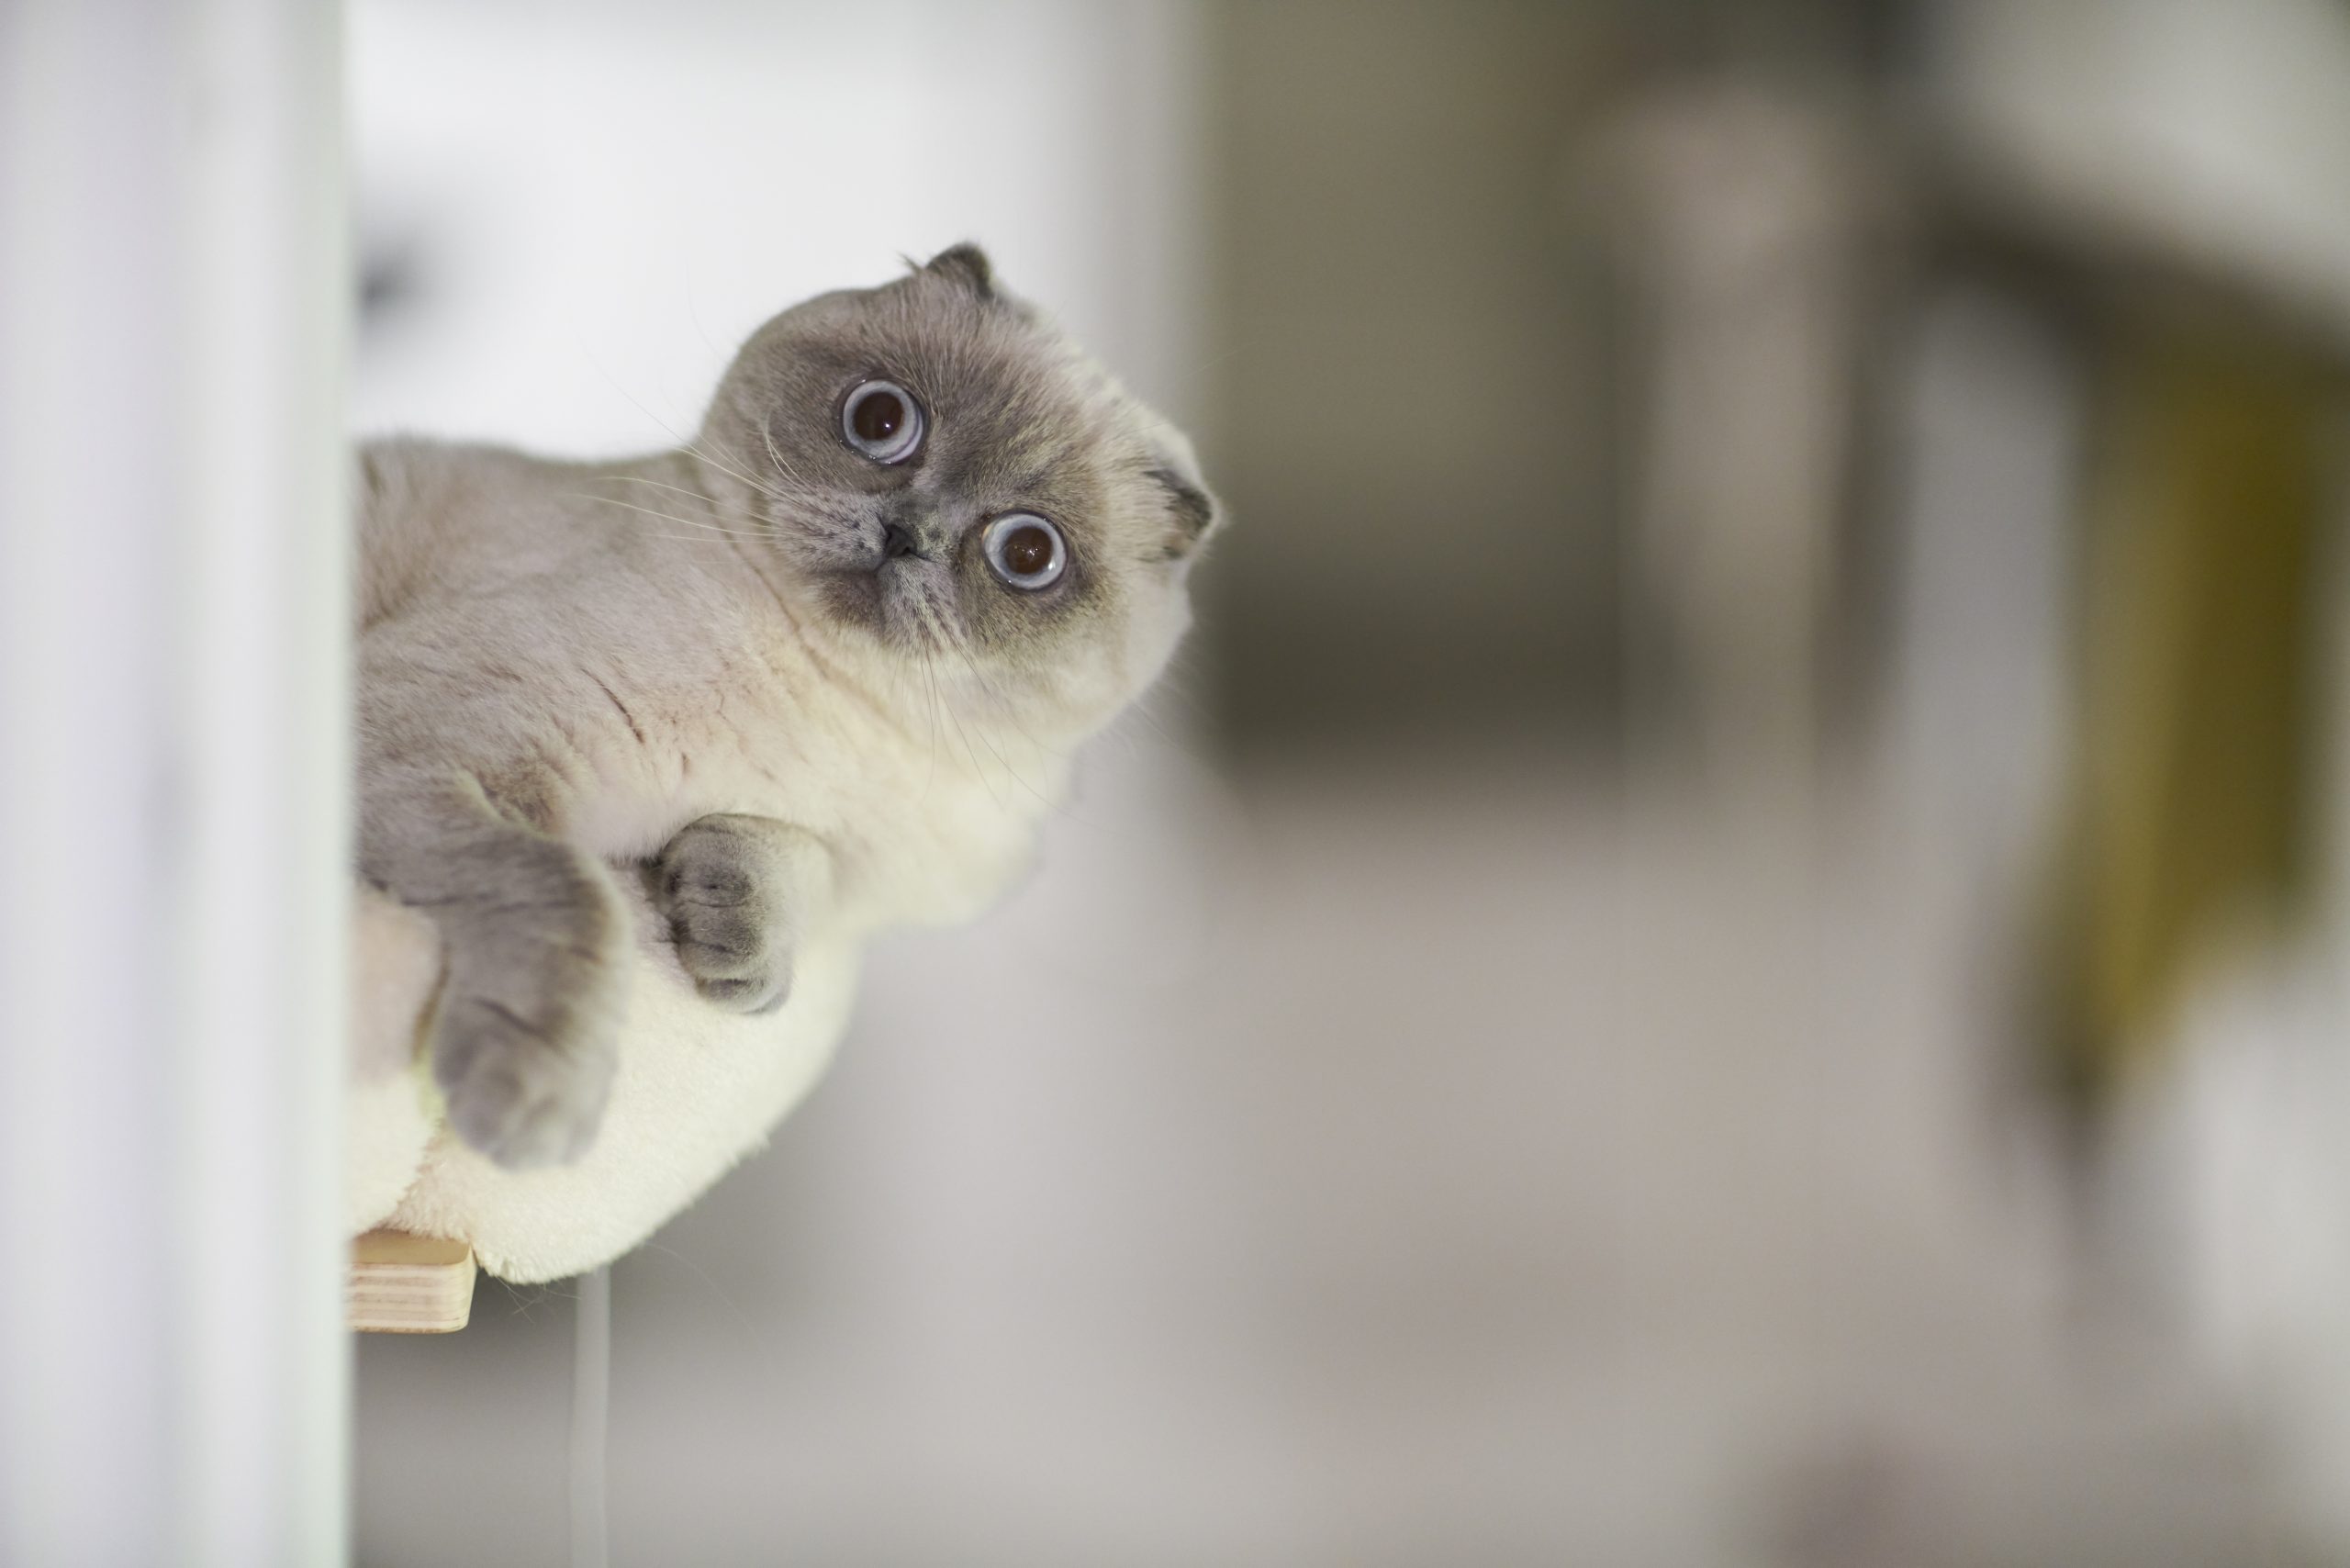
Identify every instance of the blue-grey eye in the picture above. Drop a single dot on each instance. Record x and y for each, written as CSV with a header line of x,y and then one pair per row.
x,y
882,420
1025,551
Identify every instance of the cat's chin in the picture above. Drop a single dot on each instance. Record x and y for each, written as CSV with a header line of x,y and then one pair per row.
x,y
853,600
863,603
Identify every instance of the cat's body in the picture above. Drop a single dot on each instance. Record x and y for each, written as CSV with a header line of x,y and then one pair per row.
x,y
647,677
817,674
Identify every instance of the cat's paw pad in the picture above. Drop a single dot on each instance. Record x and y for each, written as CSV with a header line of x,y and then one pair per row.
x,y
526,1092
723,921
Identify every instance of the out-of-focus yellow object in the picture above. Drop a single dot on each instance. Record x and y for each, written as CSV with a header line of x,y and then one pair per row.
x,y
2201,605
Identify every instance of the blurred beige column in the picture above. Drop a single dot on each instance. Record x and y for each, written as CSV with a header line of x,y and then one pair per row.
x,y
173,304
1736,216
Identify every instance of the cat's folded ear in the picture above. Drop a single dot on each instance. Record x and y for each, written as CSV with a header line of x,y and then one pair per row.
x,y
967,264
1192,511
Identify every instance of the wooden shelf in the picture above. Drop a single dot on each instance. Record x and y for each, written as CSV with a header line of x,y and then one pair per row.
x,y
409,1285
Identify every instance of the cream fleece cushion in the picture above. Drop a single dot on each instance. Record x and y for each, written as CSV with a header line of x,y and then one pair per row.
x,y
698,1089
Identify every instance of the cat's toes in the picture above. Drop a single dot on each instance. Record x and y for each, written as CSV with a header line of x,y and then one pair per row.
x,y
526,1095
724,921
738,959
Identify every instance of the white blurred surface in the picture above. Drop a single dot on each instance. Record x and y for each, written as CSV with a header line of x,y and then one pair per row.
x,y
593,205
2217,132
173,1361
1505,1171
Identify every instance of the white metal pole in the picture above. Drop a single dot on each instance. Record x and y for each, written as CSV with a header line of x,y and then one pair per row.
x,y
172,302
89,414
591,1410
266,607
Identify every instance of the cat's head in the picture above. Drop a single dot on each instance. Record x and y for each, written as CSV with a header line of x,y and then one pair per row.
x,y
954,487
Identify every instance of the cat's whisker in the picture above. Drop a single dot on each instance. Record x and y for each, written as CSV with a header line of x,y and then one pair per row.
x,y
649,511
957,643
758,1341
1174,687
1141,710
776,457
658,485
978,769
930,680
936,632
961,646
934,703
715,530
691,539
766,489
683,445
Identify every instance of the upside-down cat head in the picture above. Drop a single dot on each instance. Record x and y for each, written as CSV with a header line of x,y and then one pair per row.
x,y
951,485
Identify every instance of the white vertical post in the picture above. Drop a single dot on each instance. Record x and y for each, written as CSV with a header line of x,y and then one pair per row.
x,y
591,1412
266,603
89,422
172,302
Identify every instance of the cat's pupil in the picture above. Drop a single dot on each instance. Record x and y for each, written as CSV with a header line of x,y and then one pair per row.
x,y
879,416
1028,552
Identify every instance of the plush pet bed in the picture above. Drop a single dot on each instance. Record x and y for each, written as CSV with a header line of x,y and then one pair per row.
x,y
698,1087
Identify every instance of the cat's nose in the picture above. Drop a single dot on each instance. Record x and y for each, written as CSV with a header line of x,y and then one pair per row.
x,y
898,539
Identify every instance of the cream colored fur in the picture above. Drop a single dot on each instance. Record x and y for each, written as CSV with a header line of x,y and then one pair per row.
x,y
569,672
698,1089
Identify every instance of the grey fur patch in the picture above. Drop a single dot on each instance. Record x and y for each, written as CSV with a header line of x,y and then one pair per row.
x,y
731,888
1193,511
524,1039
967,264
523,1044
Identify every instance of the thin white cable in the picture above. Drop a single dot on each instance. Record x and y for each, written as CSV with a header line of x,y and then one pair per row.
x,y
591,1394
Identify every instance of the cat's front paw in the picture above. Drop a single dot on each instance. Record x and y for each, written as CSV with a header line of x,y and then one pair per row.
x,y
721,889
527,1037
527,1091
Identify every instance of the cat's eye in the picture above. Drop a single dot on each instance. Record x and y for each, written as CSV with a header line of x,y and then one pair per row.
x,y
882,420
1025,551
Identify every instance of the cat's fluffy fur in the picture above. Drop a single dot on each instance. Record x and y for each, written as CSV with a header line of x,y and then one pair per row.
x,y
771,677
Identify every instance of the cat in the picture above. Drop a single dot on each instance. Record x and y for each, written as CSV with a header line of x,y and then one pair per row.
x,y
819,670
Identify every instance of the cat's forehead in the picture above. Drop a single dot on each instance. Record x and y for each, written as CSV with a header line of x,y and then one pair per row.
x,y
968,356
1012,413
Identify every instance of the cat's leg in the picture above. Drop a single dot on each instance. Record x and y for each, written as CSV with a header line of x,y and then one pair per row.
x,y
535,935
738,892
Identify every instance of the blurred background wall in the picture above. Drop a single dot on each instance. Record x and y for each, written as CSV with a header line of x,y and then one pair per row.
x,y
1722,950
1411,369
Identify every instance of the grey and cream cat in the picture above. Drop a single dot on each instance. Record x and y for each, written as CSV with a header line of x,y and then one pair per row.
x,y
820,669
